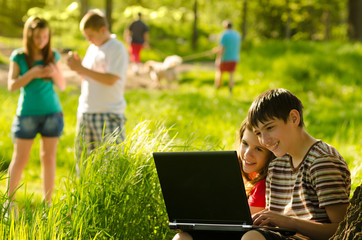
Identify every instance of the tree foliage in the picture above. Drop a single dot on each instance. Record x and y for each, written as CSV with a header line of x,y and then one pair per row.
x,y
279,19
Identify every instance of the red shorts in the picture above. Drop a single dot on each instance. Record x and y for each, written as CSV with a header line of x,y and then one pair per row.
x,y
135,52
228,66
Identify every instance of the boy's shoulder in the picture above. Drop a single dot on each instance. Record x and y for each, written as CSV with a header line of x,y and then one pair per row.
x,y
113,43
323,156
321,149
320,153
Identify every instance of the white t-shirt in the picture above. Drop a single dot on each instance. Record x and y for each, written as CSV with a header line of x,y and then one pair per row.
x,y
112,57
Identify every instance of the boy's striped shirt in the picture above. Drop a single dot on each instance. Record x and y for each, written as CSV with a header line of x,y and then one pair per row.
x,y
322,179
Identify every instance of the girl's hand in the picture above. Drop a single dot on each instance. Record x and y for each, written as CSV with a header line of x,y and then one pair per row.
x,y
49,71
37,71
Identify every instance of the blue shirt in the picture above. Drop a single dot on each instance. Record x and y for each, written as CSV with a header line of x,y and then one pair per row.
x,y
38,97
231,41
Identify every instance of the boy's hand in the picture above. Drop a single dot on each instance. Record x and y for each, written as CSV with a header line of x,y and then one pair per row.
x,y
272,219
74,62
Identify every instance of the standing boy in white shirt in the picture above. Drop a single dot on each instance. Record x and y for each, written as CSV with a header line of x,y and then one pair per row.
x,y
103,69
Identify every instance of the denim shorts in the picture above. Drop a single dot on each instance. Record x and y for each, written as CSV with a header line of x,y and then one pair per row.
x,y
26,127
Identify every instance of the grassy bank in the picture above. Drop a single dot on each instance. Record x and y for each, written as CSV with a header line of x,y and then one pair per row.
x,y
119,195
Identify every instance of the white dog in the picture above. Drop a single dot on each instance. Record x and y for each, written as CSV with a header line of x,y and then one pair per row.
x,y
163,70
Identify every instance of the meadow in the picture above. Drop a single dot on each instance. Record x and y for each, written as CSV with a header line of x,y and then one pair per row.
x,y
118,195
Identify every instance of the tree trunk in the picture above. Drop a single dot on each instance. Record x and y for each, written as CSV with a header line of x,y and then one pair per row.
x,y
194,32
289,19
350,227
83,8
355,20
327,24
244,27
109,6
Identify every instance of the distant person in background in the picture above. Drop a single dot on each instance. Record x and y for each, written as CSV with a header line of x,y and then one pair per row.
x,y
136,36
227,54
101,109
34,69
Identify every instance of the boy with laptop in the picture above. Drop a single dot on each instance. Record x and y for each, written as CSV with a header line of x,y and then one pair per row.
x,y
308,184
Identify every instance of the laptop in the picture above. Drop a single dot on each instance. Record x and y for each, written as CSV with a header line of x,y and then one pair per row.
x,y
205,191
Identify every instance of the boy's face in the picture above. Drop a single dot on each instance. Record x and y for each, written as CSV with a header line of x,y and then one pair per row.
x,y
97,37
275,135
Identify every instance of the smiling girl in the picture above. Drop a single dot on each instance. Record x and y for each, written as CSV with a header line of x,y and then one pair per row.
x,y
34,69
254,160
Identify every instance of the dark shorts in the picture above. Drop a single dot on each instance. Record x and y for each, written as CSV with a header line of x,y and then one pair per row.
x,y
228,66
270,235
26,127
215,235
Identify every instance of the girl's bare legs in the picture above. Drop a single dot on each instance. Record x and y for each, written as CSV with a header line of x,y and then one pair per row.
x,y
253,235
182,236
48,153
19,160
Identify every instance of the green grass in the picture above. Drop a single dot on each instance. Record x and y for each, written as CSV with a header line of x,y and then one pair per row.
x,y
118,195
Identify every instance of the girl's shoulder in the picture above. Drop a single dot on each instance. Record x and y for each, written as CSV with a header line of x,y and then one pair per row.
x,y
56,55
19,52
261,183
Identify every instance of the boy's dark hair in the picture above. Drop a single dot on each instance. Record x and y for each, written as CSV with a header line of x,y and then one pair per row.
x,y
93,19
227,24
274,103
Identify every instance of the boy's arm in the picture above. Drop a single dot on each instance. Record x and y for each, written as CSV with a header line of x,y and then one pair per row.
x,y
127,36
75,64
105,78
146,37
314,230
218,51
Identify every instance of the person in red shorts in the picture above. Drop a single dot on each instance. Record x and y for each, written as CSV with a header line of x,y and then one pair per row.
x,y
228,53
136,35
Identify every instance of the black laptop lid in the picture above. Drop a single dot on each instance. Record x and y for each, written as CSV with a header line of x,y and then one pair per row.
x,y
202,187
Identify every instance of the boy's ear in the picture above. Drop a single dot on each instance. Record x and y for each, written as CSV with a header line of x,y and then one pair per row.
x,y
294,117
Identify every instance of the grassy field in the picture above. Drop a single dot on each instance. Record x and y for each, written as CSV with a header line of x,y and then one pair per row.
x,y
119,196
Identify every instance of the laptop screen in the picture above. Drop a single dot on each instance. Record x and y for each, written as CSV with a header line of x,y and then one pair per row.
x,y
202,187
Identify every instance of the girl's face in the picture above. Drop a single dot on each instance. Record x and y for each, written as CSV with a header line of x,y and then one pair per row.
x,y
40,38
253,155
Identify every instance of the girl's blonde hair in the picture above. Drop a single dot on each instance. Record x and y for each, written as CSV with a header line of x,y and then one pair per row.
x,y
249,179
30,25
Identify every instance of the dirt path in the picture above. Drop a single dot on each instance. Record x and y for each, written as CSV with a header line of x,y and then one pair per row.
x,y
141,80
